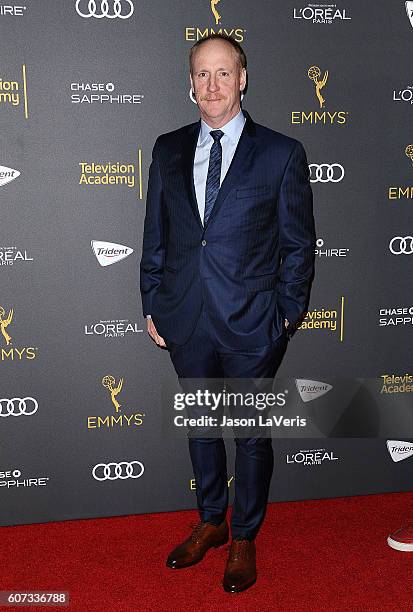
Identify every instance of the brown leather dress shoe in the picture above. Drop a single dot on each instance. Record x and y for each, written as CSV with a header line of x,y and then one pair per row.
x,y
241,571
192,550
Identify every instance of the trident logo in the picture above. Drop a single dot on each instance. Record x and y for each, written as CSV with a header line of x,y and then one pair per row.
x,y
409,10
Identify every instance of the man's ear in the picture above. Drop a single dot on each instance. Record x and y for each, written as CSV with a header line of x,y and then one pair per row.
x,y
191,81
243,79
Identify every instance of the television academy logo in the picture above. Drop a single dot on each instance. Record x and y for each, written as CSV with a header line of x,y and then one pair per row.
x,y
395,316
325,319
195,33
108,253
118,471
311,457
399,450
101,93
116,174
10,352
112,328
321,13
10,479
322,116
10,255
10,93
401,245
120,418
320,318
12,10
310,390
322,252
393,383
404,192
409,11
112,9
326,173
18,406
7,175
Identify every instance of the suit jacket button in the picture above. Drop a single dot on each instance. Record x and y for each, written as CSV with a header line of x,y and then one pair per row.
x,y
203,242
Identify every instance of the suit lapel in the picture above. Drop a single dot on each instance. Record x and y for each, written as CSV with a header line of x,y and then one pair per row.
x,y
188,155
244,150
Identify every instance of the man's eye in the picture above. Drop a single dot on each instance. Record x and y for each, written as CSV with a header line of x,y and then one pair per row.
x,y
224,73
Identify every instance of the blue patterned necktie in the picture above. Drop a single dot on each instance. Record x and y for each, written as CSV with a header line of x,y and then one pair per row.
x,y
214,173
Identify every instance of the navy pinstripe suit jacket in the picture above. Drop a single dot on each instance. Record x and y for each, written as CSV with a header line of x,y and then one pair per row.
x,y
253,262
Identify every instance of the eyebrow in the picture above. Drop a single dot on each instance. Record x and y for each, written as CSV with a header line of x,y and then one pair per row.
x,y
205,70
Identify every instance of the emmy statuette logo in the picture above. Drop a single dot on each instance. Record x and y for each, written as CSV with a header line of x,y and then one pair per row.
x,y
8,350
321,116
409,152
109,383
4,323
196,32
215,11
314,74
403,192
127,418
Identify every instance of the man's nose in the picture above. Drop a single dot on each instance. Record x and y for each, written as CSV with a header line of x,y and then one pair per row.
x,y
212,85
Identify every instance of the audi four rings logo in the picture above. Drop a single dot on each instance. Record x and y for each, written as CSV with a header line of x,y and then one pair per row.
x,y
118,8
326,173
400,245
114,471
18,406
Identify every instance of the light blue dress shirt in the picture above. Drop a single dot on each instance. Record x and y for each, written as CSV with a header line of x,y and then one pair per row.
x,y
232,132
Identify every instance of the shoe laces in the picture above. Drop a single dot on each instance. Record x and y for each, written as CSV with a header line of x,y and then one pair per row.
x,y
197,529
239,550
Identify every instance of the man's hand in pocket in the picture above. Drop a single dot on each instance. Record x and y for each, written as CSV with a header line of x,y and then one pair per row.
x,y
154,334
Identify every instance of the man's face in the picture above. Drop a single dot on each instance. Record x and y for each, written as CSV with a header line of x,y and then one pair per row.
x,y
217,81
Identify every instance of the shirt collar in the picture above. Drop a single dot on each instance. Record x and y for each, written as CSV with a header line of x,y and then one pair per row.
x,y
232,129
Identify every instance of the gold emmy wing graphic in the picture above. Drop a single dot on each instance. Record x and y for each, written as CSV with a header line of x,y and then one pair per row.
x,y
109,383
5,323
214,11
409,151
313,74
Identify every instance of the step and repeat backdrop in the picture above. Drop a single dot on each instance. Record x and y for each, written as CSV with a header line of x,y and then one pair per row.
x,y
85,89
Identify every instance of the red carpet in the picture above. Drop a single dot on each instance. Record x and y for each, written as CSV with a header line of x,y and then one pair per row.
x,y
313,555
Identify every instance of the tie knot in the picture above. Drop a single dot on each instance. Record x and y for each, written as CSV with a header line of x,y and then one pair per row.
x,y
216,135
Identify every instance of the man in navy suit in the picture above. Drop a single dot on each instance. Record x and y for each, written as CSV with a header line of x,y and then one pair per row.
x,y
226,269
